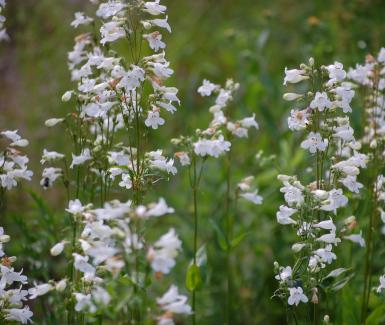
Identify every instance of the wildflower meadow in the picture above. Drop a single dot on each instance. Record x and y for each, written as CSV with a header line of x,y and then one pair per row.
x,y
192,162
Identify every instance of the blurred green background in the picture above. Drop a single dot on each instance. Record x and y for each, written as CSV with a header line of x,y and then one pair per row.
x,y
250,41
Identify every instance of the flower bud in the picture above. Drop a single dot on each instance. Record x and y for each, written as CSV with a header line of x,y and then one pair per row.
x,y
146,25
373,144
297,247
53,121
66,96
283,178
291,96
57,249
61,285
311,62
4,239
321,194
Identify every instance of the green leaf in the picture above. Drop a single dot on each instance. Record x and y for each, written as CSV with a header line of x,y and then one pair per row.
x,y
222,242
237,240
193,277
377,316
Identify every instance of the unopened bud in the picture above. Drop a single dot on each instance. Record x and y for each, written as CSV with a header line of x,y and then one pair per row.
x,y
291,96
66,96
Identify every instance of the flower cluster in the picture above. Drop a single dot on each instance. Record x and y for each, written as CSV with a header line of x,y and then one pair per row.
x,y
110,249
115,94
216,139
118,101
12,293
13,164
371,78
312,209
3,33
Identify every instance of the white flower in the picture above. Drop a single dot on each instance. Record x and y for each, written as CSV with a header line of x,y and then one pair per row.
x,y
75,207
80,19
154,8
49,176
126,181
321,101
326,224
284,274
161,23
162,256
335,200
111,32
213,148
249,122
336,72
159,209
84,302
49,156
314,142
183,158
296,296
298,120
22,315
9,276
207,88
382,277
39,290
153,119
84,156
109,9
329,239
381,55
293,195
252,197
284,214
173,302
350,182
294,76
356,238
326,254
81,264
155,41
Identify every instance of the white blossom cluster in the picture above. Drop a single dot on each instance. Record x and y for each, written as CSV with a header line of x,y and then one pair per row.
x,y
12,293
216,139
312,209
13,164
108,247
115,94
3,33
370,76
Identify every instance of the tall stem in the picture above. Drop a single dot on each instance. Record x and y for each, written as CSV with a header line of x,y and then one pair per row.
x,y
228,238
195,247
373,214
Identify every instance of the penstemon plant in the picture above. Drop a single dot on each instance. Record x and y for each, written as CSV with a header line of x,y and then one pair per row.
x,y
312,209
3,32
119,99
13,169
213,142
370,79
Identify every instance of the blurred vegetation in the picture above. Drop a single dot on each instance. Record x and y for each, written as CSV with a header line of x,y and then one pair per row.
x,y
250,41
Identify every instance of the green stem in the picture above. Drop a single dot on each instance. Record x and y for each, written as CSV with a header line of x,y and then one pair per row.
x,y
229,231
195,198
